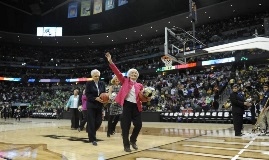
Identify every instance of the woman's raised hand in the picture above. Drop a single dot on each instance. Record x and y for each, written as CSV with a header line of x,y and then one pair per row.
x,y
108,56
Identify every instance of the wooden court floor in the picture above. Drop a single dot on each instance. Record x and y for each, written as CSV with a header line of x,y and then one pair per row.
x,y
49,139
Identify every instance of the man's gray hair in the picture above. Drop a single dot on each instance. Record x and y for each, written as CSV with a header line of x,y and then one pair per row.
x,y
93,72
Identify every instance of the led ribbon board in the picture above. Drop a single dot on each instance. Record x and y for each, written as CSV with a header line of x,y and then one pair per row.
x,y
218,61
181,66
10,79
78,80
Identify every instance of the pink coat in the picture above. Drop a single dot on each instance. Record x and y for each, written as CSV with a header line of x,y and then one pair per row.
x,y
126,87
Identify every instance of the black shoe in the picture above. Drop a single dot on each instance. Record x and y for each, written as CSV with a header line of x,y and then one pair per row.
x,y
107,134
239,135
79,129
133,144
94,143
127,149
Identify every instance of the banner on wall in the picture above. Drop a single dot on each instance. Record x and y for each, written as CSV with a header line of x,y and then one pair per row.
x,y
73,10
122,2
110,4
85,7
97,6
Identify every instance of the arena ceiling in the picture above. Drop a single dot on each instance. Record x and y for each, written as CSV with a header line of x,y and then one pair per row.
x,y
137,20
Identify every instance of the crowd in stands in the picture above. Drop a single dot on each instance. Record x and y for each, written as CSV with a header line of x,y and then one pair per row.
x,y
250,79
37,58
175,92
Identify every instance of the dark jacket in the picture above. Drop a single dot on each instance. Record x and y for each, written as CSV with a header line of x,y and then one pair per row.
x,y
237,103
265,97
92,93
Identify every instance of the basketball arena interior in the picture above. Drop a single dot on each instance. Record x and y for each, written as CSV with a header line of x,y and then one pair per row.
x,y
202,67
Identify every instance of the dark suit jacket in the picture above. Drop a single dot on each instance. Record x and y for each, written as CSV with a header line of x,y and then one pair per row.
x,y
92,93
237,103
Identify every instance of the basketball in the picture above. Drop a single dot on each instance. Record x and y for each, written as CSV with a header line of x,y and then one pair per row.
x,y
142,97
104,97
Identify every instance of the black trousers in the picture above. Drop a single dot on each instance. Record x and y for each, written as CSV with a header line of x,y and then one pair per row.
x,y
112,123
253,114
74,118
5,115
59,115
238,122
18,116
94,122
130,114
84,119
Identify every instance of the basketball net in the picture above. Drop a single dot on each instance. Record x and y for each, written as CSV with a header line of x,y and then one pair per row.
x,y
167,61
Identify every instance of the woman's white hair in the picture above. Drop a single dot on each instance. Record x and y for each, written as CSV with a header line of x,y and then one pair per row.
x,y
93,72
131,70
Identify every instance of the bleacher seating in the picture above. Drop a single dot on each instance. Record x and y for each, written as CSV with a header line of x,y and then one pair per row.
x,y
202,117
49,115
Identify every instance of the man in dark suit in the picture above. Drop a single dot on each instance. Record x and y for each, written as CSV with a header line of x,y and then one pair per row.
x,y
94,105
238,103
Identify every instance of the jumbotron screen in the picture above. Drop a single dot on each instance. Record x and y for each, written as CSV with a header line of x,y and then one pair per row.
x,y
49,31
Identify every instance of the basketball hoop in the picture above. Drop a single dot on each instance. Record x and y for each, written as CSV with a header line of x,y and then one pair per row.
x,y
167,61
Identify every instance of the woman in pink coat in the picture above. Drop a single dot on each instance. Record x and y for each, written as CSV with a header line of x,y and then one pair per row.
x,y
132,106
